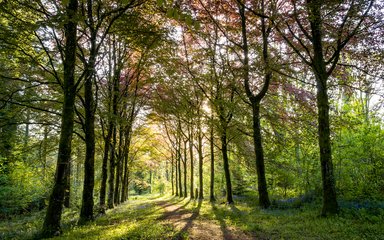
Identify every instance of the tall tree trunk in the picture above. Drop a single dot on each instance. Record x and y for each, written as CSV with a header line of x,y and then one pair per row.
x,y
212,183
172,172
104,168
127,184
224,151
26,135
112,162
166,171
257,141
124,189
185,169
112,171
127,143
86,213
78,173
52,219
67,194
255,100
179,167
200,150
43,155
176,175
119,168
191,161
330,205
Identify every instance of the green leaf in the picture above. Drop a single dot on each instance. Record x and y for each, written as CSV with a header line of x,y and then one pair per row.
x,y
188,20
170,12
160,3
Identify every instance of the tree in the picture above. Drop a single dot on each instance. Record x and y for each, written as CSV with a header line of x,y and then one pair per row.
x,y
256,99
315,32
51,224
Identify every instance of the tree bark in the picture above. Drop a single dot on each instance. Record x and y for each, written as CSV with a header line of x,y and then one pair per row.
x,y
112,171
172,172
119,168
212,183
330,205
86,213
67,194
52,219
179,167
185,169
255,100
200,150
124,189
104,168
224,150
191,160
257,141
176,175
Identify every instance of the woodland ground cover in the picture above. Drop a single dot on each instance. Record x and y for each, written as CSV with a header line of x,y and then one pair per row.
x,y
145,217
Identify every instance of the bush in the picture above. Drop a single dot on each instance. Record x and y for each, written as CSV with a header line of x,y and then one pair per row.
x,y
21,190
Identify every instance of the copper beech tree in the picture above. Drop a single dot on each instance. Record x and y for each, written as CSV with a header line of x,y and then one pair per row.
x,y
318,32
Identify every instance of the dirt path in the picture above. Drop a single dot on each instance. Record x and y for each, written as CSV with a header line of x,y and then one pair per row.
x,y
187,221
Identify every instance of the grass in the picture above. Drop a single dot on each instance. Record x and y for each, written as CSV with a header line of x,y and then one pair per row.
x,y
135,219
139,219
292,223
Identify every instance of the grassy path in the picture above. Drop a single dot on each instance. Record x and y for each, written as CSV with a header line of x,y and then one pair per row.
x,y
189,225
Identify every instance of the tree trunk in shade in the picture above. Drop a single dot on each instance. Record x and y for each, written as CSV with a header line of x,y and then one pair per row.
x,y
51,225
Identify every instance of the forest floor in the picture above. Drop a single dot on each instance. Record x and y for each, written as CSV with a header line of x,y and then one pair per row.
x,y
166,217
189,225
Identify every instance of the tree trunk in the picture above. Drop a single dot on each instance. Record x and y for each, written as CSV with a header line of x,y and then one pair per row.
x,y
212,183
127,185
26,135
185,169
255,99
179,167
172,164
257,140
330,205
112,163
200,150
67,194
124,188
176,175
86,213
191,160
51,224
112,171
166,171
104,168
43,155
224,150
119,168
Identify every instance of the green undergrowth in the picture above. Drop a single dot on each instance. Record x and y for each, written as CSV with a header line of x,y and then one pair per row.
x,y
294,222
140,218
135,219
